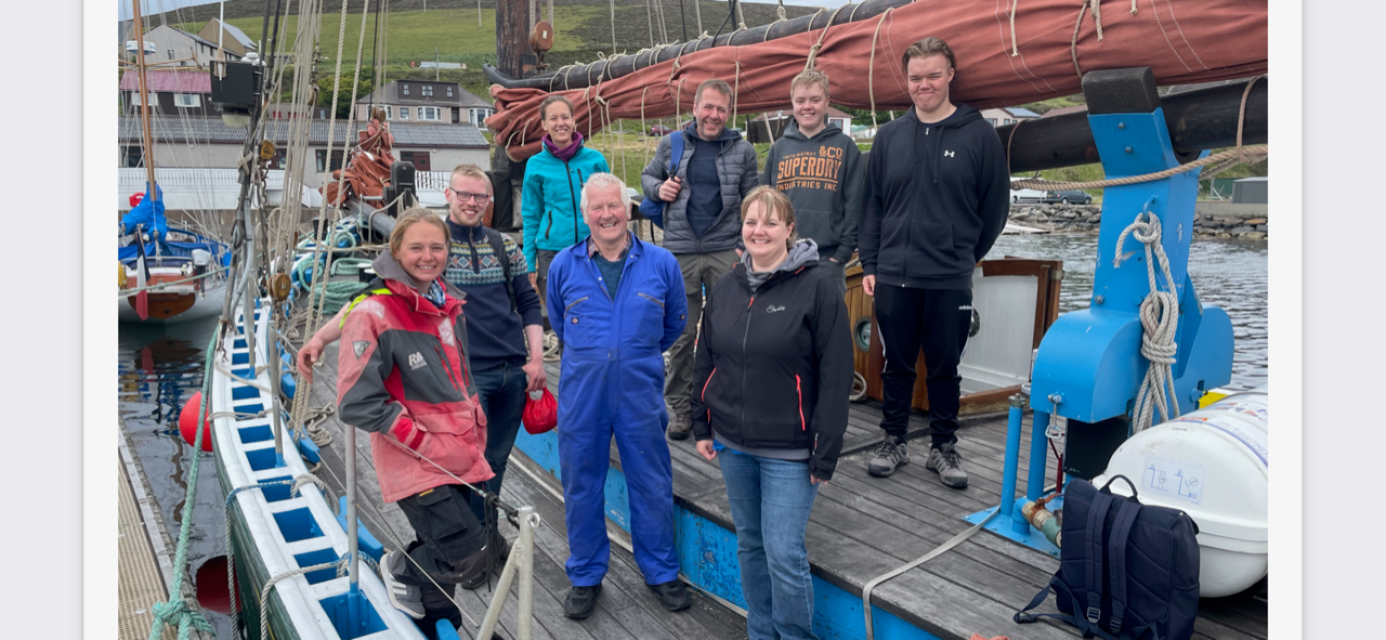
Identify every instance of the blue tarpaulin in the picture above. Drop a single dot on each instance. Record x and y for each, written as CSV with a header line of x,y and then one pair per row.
x,y
149,213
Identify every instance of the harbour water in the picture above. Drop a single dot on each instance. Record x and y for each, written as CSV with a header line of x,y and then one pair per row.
x,y
161,367
1231,274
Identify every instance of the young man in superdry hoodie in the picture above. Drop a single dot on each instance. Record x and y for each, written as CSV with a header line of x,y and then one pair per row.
x,y
936,199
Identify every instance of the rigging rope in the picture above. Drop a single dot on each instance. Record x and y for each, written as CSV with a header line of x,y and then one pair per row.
x,y
1158,175
185,611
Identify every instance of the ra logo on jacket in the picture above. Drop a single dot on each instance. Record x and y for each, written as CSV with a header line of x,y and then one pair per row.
x,y
416,361
810,170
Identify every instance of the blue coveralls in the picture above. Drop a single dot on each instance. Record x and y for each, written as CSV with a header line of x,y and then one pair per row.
x,y
612,384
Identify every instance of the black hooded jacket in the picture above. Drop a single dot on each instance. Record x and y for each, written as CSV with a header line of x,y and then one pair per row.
x,y
937,196
774,368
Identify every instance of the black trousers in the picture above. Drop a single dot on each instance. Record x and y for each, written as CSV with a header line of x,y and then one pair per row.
x,y
936,320
450,545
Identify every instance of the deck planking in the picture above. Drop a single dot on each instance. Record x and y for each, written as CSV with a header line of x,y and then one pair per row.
x,y
861,527
626,610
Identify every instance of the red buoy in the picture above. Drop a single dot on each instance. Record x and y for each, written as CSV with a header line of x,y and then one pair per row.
x,y
210,580
135,199
187,423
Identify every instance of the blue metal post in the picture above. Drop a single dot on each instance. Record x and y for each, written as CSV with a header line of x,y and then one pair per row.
x,y
1010,469
1039,455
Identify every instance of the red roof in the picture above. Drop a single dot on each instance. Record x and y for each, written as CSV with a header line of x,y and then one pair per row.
x,y
179,80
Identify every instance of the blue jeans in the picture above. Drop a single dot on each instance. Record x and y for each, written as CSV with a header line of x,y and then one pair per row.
x,y
770,504
501,389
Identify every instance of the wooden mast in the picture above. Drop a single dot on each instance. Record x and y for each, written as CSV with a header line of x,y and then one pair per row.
x,y
148,137
512,36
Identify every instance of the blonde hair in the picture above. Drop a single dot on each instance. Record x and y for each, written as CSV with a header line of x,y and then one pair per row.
x,y
470,171
810,78
774,203
410,217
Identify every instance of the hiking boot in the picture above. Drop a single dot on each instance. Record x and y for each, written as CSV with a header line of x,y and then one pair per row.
x,y
680,427
672,595
582,601
945,461
406,598
891,453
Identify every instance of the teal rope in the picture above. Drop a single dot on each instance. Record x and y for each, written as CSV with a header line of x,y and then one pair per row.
x,y
338,294
185,611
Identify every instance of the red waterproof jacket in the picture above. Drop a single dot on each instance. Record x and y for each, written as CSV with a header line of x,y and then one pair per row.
x,y
403,376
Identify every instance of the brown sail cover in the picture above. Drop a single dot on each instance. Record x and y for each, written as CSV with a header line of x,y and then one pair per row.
x,y
1182,41
367,169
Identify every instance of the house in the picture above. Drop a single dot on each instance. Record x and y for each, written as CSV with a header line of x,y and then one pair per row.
x,y
173,92
235,40
777,120
427,101
177,48
1002,116
206,142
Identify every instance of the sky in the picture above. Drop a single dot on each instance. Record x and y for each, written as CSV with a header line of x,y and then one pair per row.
x,y
157,6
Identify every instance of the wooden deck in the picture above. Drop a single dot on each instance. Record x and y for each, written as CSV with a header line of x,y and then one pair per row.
x,y
861,527
626,609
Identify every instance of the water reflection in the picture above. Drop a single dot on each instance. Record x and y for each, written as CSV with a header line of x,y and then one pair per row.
x,y
1229,274
159,369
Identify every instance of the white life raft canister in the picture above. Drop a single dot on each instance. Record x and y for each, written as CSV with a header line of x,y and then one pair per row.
x,y
1213,465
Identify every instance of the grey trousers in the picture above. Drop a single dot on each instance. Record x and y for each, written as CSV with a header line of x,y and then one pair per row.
x,y
700,271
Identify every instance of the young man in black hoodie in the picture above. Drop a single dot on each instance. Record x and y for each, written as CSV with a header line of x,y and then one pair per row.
x,y
936,199
818,167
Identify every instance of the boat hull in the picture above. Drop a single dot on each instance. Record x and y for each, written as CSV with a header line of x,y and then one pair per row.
x,y
271,532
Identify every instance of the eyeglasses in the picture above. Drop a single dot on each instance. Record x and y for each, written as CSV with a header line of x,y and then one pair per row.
x,y
463,196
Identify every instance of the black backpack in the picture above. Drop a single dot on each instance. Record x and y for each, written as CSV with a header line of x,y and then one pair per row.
x,y
1126,570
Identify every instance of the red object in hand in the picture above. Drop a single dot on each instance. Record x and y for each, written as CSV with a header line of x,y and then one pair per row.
x,y
541,413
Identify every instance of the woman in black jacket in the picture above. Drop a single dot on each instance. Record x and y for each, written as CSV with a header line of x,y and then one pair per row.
x,y
771,380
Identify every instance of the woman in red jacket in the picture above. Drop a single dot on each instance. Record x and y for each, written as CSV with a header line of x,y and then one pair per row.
x,y
404,378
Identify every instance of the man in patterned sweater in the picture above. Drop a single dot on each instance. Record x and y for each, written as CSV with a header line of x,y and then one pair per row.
x,y
504,321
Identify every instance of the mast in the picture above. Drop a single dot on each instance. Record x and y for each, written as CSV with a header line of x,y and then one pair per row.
x,y
512,37
148,137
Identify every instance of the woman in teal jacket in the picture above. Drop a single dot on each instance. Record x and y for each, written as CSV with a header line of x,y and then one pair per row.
x,y
553,188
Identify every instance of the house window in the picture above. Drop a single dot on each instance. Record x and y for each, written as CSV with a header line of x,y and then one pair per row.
x,y
419,158
404,89
449,92
404,113
131,157
429,113
322,160
1007,121
427,91
135,100
991,121
389,112
187,100
479,117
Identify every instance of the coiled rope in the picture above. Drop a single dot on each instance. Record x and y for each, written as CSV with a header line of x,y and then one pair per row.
x,y
1159,320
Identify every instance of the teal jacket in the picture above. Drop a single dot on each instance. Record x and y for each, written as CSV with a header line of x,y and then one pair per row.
x,y
550,202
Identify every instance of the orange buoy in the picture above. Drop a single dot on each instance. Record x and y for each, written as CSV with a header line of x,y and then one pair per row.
x,y
187,423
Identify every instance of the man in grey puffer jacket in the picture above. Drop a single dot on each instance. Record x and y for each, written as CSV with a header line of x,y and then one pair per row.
x,y
702,221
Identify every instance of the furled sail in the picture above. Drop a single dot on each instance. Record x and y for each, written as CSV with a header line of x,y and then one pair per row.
x,y
1008,53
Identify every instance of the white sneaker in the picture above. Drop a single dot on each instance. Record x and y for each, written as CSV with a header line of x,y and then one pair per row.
x,y
406,598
